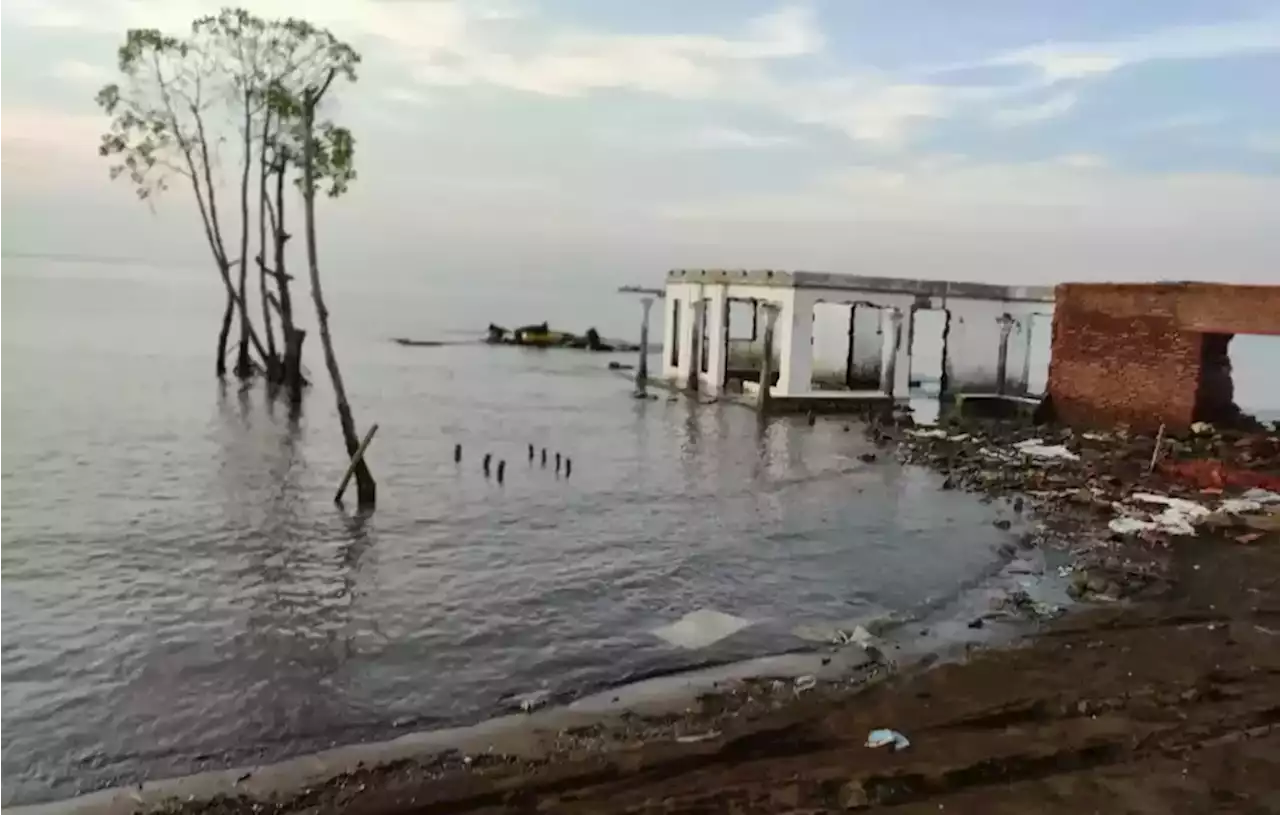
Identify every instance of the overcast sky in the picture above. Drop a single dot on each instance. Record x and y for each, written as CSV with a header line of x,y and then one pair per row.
x,y
607,140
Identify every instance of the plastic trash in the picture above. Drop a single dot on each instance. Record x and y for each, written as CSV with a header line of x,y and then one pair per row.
x,y
806,682
701,628
1038,449
1239,506
887,738
530,702
1129,526
1261,496
694,738
1179,516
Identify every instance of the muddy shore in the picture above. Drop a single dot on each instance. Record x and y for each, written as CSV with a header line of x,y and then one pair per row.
x,y
1160,694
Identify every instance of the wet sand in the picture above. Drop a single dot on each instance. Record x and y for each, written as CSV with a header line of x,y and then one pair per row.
x,y
1166,703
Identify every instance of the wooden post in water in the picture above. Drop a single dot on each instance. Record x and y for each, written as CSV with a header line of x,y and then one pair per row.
x,y
766,364
355,462
642,368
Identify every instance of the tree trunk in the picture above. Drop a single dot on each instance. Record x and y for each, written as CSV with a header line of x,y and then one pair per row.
x,y
366,488
293,336
292,366
273,361
244,365
223,335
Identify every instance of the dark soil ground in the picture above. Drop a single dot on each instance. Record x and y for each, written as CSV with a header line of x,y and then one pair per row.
x,y
1166,702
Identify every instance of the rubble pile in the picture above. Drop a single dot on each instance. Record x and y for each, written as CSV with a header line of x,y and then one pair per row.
x,y
1099,493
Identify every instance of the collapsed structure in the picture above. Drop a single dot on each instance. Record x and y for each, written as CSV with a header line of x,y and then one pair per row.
x,y
725,329
1141,354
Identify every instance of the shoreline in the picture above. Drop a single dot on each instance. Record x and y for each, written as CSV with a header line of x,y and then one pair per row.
x,y
693,712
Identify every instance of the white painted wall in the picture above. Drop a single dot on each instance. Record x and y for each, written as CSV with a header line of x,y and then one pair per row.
x,y
973,342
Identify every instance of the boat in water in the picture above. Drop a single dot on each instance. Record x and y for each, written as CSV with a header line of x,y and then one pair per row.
x,y
541,335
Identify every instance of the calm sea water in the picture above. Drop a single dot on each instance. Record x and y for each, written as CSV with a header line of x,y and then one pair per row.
x,y
180,592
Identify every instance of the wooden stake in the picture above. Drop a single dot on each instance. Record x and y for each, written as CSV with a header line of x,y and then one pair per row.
x,y
1155,454
355,462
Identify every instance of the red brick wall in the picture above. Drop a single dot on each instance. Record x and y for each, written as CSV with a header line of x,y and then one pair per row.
x,y
1119,356
1131,353
1222,309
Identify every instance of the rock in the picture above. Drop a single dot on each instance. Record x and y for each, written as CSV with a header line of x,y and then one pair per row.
x,y
977,623
948,483
867,458
1003,523
854,796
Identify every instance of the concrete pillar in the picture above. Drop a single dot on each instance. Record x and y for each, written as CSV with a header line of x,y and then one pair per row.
x,y
766,363
717,331
796,376
642,368
697,313
890,319
900,330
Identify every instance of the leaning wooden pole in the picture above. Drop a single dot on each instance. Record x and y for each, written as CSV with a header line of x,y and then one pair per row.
x,y
356,461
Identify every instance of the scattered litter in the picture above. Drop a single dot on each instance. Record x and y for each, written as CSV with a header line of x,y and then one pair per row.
x,y
935,433
697,737
806,682
1130,526
887,738
1201,428
1239,506
530,702
701,628
1038,449
1095,436
858,636
1261,496
1179,516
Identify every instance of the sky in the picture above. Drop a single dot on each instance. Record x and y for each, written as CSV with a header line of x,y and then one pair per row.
x,y
599,142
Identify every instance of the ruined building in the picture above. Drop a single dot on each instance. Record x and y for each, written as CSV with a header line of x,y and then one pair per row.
x,y
1147,354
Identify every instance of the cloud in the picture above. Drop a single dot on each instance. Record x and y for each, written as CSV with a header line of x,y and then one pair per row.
x,y
732,138
453,49
1263,142
1183,121
955,190
1051,108
1061,61
82,73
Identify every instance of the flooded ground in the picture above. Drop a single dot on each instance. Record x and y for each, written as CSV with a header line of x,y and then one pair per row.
x,y
181,594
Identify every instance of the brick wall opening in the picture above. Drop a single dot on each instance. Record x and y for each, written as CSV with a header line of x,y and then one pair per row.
x,y
1255,387
1215,390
